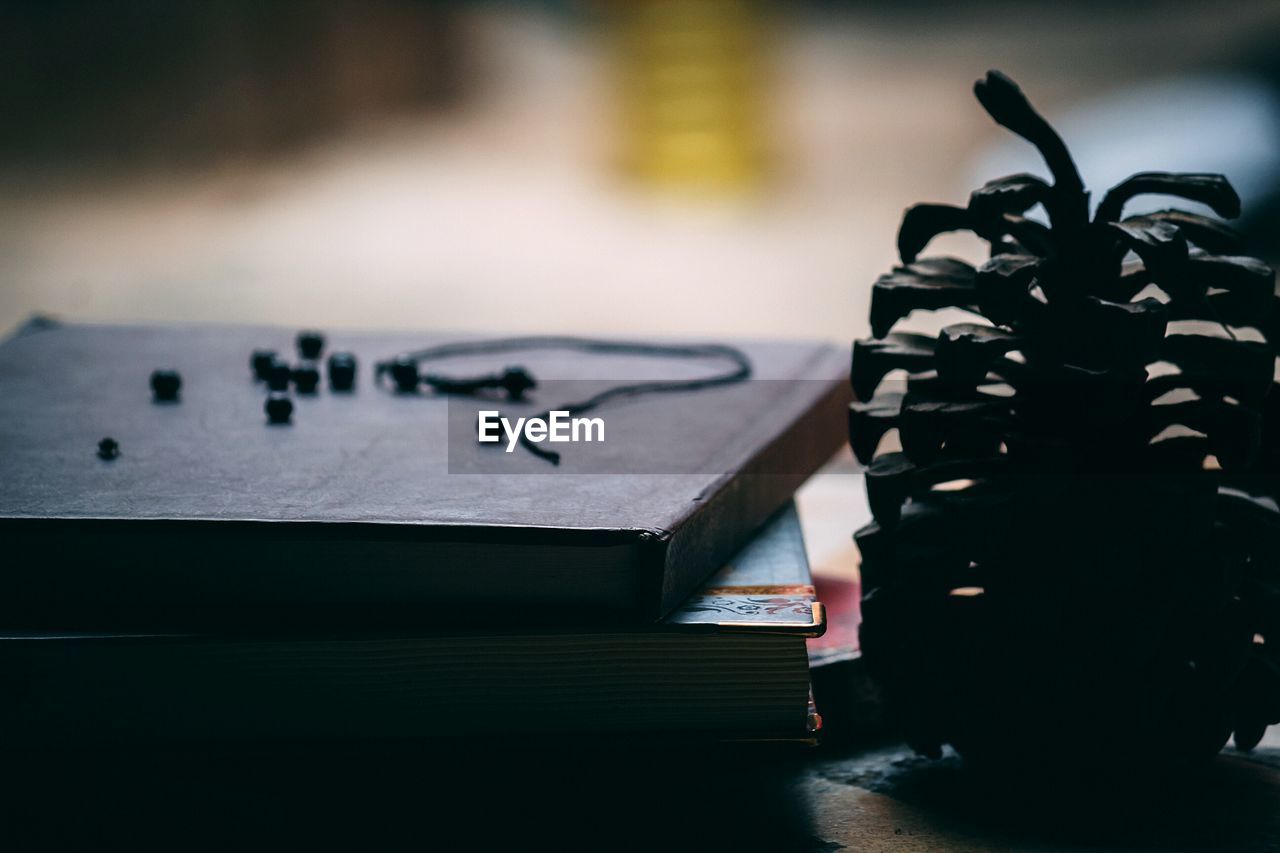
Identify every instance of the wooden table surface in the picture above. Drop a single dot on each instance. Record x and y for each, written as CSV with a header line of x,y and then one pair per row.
x,y
610,796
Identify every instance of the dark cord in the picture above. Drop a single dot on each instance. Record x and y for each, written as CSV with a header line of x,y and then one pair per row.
x,y
741,368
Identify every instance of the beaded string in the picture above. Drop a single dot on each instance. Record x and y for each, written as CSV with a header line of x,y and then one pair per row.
x,y
516,380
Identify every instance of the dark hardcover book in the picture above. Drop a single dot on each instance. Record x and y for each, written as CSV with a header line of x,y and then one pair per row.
x,y
372,504
729,663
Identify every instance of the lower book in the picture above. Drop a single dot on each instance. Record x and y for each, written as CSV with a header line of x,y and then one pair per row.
x,y
729,664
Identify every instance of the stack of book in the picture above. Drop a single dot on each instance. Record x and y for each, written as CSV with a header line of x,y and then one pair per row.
x,y
364,572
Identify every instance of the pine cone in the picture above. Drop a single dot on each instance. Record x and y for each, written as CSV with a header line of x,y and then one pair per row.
x,y
1075,550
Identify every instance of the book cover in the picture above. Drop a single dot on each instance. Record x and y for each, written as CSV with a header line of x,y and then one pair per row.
x,y
367,503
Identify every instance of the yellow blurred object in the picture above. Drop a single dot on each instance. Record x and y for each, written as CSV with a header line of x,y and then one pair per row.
x,y
692,91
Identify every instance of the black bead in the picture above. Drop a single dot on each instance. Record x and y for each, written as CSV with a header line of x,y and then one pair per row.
x,y
279,408
306,376
261,363
404,373
165,385
108,448
278,376
342,371
310,344
516,381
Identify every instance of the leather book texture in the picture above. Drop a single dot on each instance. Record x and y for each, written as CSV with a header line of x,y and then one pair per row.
x,y
367,505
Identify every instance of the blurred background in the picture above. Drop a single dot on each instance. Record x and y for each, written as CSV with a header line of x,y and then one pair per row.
x,y
695,168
